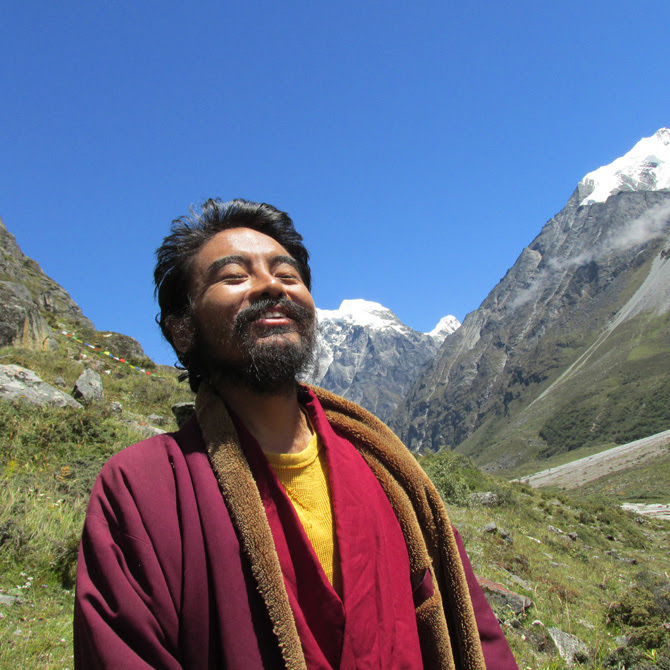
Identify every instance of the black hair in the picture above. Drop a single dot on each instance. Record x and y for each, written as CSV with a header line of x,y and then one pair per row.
x,y
174,257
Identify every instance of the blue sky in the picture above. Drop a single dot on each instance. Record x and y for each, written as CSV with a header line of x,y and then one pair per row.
x,y
417,146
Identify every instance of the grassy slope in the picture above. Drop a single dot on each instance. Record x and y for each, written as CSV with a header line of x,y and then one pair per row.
x,y
623,393
49,458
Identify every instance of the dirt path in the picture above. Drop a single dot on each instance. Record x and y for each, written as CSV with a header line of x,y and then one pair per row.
x,y
589,468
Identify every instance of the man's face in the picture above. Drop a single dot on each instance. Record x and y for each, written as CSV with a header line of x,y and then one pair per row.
x,y
253,317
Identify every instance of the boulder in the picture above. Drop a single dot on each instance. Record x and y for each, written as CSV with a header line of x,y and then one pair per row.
x,y
501,598
9,600
571,648
88,387
20,320
21,384
122,346
486,498
182,412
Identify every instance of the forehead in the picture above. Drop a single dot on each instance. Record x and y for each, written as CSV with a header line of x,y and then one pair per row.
x,y
243,242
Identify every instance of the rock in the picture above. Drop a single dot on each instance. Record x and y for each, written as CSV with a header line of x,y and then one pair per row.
x,y
116,408
59,381
573,536
37,293
521,582
182,412
144,429
21,384
615,555
123,346
501,597
553,529
9,600
156,419
88,387
505,534
490,527
21,322
486,498
571,648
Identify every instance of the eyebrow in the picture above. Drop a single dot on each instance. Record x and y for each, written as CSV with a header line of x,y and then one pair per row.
x,y
236,259
220,263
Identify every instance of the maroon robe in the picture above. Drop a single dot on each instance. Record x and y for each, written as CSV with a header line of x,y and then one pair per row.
x,y
373,625
162,581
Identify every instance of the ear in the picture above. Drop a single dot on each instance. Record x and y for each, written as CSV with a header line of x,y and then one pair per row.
x,y
182,332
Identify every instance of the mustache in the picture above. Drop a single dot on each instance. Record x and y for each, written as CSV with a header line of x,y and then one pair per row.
x,y
301,315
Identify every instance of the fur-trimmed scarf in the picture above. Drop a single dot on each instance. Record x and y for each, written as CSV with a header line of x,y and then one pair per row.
x,y
446,623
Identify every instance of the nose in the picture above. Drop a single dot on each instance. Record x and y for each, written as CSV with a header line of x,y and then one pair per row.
x,y
266,284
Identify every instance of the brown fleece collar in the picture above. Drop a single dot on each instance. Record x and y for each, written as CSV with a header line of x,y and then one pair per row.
x,y
446,622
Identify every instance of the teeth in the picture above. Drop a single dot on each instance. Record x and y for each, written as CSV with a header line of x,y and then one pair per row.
x,y
272,315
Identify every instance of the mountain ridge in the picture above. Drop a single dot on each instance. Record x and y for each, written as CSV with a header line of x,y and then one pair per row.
x,y
595,272
366,354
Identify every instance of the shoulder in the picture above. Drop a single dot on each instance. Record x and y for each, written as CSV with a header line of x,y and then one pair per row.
x,y
154,453
345,411
355,422
376,442
146,472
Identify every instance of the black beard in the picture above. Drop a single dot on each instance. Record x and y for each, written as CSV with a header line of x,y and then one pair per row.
x,y
265,367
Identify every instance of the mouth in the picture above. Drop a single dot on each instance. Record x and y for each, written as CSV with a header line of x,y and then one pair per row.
x,y
273,318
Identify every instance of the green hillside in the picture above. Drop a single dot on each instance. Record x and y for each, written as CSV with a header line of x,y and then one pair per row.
x,y
607,581
622,393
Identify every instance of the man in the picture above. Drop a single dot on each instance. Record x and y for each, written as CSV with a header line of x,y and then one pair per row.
x,y
281,526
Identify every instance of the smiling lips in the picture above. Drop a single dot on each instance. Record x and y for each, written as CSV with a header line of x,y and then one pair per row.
x,y
273,318
272,314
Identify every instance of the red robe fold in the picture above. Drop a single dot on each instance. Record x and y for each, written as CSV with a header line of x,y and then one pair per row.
x,y
374,625
165,582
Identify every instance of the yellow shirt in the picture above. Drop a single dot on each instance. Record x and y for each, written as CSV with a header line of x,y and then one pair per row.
x,y
304,477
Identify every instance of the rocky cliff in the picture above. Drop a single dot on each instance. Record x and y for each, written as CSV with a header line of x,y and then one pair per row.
x,y
575,335
366,354
28,298
31,303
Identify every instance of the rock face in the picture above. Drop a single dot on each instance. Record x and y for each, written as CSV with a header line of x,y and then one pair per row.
x,y
21,322
122,346
580,318
571,648
27,295
366,354
23,385
88,387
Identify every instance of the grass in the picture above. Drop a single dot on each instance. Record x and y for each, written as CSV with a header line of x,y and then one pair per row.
x,y
575,582
50,457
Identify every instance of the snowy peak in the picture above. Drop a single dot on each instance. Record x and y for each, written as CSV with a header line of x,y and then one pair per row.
x,y
375,316
446,326
646,167
363,313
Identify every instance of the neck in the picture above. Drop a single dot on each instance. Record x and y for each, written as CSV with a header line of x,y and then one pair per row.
x,y
276,421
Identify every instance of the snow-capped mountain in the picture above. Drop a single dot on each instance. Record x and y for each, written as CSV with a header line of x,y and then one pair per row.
x,y
445,326
646,167
365,353
570,348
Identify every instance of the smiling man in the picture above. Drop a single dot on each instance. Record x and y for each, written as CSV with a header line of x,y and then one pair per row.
x,y
281,526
